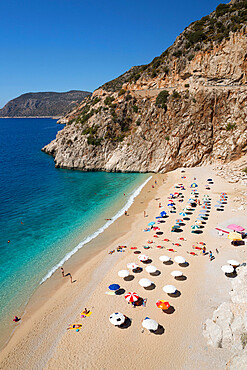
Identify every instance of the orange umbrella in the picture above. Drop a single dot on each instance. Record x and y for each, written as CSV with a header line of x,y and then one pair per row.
x,y
162,304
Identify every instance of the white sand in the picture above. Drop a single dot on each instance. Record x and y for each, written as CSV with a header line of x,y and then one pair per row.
x,y
41,340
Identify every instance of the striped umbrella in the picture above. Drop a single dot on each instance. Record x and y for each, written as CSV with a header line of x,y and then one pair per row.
x,y
143,257
179,220
162,304
195,227
131,297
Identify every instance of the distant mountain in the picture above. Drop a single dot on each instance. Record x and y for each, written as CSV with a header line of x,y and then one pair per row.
x,y
43,104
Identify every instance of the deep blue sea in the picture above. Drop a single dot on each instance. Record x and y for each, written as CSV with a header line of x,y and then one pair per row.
x,y
46,214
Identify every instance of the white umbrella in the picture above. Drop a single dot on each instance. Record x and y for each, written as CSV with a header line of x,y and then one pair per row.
x,y
143,257
170,289
123,273
179,259
233,263
150,324
132,266
176,273
117,318
151,269
164,258
227,269
145,282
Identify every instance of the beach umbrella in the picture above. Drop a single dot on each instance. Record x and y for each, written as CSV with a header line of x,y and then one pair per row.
x,y
123,273
227,269
179,259
164,258
176,273
117,318
209,180
198,222
132,266
150,324
151,223
162,304
114,287
235,227
194,185
233,263
166,240
131,297
183,214
170,289
179,220
143,257
234,236
145,282
195,227
175,227
199,218
163,213
171,205
151,269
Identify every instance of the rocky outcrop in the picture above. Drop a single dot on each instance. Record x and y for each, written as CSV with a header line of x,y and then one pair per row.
x,y
228,326
188,107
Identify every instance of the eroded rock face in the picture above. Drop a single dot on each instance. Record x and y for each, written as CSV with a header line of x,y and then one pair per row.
x,y
228,326
204,122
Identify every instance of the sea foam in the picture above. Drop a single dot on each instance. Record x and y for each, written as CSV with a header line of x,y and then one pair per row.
x,y
129,202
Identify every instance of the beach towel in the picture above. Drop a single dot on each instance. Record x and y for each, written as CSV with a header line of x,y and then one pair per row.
x,y
86,314
110,293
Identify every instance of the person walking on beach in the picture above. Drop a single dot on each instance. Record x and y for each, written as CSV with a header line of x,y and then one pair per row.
x,y
62,271
144,213
69,274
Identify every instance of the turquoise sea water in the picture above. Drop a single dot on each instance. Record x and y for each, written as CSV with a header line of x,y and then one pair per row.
x,y
44,211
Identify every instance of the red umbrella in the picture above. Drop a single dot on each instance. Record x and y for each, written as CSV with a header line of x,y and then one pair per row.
x,y
131,297
166,240
162,304
171,250
181,239
155,236
133,248
159,246
177,244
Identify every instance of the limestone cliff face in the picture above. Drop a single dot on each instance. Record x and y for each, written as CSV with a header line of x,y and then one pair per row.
x,y
200,116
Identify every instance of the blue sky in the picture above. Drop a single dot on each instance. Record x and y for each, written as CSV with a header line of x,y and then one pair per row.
x,y
50,45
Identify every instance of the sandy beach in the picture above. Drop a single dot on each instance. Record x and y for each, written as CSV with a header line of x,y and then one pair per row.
x,y
41,341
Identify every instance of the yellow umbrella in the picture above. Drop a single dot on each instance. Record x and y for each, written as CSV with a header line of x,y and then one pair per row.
x,y
234,236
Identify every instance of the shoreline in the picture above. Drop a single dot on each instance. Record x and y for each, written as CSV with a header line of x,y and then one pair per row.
x,y
42,340
83,250
51,117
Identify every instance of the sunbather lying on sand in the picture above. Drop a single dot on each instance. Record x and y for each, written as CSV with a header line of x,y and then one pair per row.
x,y
74,326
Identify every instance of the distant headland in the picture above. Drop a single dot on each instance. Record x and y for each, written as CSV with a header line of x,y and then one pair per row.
x,y
43,104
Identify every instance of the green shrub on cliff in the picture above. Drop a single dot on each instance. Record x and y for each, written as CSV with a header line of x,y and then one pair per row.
x,y
162,99
230,126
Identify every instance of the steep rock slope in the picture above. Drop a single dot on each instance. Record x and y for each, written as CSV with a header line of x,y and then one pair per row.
x,y
43,104
187,107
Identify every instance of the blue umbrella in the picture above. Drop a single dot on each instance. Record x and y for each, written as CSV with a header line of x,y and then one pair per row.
x,y
209,179
183,214
200,218
151,223
171,205
114,287
163,213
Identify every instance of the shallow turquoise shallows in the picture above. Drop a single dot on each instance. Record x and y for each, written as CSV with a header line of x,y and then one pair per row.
x,y
47,213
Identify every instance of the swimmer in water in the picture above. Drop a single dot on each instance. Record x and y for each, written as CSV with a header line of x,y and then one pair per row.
x,y
8,241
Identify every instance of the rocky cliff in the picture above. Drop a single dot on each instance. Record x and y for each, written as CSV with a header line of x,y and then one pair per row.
x,y
43,104
185,108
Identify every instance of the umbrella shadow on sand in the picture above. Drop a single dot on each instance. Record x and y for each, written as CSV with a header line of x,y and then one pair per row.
x,y
231,275
129,278
175,295
169,311
126,324
159,233
150,287
138,270
181,278
147,262
197,231
156,273
158,331
120,291
168,262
